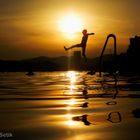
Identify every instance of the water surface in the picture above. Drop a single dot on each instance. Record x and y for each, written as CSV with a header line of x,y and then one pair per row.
x,y
69,105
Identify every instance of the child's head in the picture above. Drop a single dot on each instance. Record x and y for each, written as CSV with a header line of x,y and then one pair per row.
x,y
84,31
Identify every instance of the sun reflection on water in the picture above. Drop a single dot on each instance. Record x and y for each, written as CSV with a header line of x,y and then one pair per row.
x,y
70,122
72,75
72,102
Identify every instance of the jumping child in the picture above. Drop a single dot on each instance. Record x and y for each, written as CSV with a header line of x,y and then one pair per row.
x,y
82,44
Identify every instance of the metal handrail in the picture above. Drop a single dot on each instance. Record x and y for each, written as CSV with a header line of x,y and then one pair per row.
x,y
115,51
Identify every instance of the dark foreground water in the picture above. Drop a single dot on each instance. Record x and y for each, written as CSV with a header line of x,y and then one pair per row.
x,y
69,106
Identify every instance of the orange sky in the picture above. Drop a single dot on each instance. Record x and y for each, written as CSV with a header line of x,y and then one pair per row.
x,y
30,28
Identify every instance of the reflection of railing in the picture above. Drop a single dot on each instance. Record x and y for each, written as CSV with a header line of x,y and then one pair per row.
x,y
115,51
114,117
115,94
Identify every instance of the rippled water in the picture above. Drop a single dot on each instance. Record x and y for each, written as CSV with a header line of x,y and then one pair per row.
x,y
69,105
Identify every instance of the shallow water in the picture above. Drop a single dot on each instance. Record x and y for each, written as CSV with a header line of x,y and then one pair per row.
x,y
69,105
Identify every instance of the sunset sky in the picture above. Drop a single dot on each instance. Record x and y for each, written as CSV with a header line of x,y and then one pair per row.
x,y
31,28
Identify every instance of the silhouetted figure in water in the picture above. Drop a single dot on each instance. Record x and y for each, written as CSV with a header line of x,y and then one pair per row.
x,y
82,44
84,105
85,93
82,118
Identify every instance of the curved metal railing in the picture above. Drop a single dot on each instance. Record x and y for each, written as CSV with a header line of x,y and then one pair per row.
x,y
102,53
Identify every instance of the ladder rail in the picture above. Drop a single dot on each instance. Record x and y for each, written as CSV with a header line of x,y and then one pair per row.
x,y
102,53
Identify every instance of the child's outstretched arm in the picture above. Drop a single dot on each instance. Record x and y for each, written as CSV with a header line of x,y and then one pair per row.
x,y
91,33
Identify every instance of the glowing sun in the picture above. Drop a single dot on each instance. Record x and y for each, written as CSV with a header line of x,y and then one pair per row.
x,y
70,23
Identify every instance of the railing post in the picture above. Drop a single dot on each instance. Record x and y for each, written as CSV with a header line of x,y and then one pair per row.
x,y
115,51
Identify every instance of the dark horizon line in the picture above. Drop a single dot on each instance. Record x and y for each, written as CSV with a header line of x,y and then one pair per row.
x,y
49,57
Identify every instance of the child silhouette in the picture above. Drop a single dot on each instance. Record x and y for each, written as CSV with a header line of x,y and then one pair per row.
x,y
82,44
